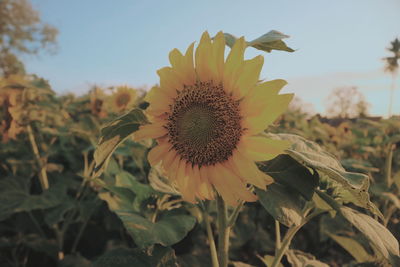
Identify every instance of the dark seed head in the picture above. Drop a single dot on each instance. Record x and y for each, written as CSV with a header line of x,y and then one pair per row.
x,y
204,124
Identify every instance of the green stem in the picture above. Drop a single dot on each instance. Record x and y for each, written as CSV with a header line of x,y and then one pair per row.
x,y
388,166
233,217
44,182
290,234
37,225
78,237
210,236
285,244
277,237
223,233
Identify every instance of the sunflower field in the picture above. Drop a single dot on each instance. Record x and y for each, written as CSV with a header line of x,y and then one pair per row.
x,y
210,167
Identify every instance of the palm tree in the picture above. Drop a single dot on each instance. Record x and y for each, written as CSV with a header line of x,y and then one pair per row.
x,y
392,66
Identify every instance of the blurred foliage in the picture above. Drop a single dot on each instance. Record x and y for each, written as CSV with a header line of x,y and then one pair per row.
x,y
116,210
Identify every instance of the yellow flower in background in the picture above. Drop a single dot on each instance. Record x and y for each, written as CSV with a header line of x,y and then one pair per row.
x,y
123,99
97,98
207,114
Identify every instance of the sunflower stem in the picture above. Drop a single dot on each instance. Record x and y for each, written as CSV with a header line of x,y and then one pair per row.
x,y
277,237
210,236
42,166
223,232
234,215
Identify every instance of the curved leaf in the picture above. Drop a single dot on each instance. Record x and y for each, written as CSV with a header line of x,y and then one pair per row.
x,y
114,134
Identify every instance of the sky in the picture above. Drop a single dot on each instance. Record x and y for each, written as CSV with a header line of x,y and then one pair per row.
x,y
338,43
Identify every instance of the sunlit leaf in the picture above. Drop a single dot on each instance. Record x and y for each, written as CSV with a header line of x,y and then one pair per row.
x,y
353,247
350,187
115,133
267,42
377,234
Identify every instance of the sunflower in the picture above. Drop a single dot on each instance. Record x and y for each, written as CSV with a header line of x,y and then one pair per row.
x,y
124,98
207,115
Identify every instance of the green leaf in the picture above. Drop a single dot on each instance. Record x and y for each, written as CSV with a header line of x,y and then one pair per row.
x,y
301,259
283,204
349,186
114,134
170,229
123,257
287,171
56,214
15,196
271,41
267,42
375,232
353,247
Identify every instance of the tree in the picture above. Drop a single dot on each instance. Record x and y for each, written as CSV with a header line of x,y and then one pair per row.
x,y
347,102
392,66
21,32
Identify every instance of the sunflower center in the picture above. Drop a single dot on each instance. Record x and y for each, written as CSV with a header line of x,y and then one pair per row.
x,y
204,124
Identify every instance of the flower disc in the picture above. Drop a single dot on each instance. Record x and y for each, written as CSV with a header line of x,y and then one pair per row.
x,y
204,124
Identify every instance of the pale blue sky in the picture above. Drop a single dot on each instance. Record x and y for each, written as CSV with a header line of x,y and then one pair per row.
x,y
338,43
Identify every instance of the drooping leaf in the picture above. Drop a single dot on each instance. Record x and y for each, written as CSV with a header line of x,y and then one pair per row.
x,y
287,171
350,187
380,237
353,247
115,133
284,205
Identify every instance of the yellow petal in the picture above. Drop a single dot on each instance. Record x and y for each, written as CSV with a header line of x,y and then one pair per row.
x,y
249,170
183,65
159,101
218,54
154,130
172,169
257,124
260,97
233,65
259,148
169,158
205,189
229,185
250,74
185,185
170,82
158,152
203,58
